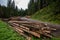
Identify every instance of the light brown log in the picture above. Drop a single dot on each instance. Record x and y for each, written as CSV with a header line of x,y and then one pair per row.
x,y
26,27
28,37
30,23
31,32
48,35
14,24
21,32
20,22
24,35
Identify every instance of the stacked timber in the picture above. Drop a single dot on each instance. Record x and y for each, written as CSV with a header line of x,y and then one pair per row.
x,y
28,28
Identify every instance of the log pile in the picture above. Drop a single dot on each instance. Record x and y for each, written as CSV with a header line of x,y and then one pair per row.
x,y
29,29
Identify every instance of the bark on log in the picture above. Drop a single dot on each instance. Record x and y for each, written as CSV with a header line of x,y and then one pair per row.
x,y
32,28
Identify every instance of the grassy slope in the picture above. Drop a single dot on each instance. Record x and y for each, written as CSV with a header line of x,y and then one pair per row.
x,y
7,33
46,14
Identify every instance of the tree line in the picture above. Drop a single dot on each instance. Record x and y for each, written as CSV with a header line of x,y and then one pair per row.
x,y
11,10
33,6
36,5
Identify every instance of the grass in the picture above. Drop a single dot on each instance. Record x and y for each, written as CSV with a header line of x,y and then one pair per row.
x,y
47,14
7,33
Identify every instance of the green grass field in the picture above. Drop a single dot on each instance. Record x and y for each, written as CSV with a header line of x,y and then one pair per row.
x,y
7,33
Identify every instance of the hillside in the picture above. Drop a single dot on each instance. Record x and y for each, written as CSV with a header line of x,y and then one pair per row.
x,y
51,13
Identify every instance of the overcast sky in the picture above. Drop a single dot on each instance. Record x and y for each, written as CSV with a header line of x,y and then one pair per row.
x,y
20,3
3,2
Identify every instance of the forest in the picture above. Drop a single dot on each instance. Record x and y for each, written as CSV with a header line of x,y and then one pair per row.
x,y
33,7
11,10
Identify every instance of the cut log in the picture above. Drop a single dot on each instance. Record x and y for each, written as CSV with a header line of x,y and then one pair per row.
x,y
47,35
33,33
14,24
32,28
28,25
21,32
24,35
20,22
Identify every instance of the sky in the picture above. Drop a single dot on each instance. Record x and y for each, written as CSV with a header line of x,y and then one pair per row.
x,y
3,2
20,3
